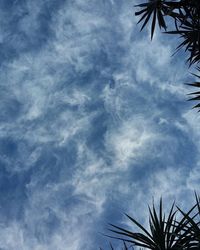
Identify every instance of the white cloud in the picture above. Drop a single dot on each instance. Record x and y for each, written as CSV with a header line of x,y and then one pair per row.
x,y
194,178
129,141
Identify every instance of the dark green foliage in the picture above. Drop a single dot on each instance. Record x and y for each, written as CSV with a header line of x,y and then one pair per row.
x,y
165,232
193,226
185,16
195,95
155,9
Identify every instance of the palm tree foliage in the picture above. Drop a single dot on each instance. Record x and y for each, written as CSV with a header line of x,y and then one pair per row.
x,y
195,95
165,232
185,22
193,225
186,19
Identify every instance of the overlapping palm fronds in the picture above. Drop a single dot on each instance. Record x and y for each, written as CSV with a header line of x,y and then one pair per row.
x,y
189,32
154,8
186,17
195,95
193,226
185,22
165,232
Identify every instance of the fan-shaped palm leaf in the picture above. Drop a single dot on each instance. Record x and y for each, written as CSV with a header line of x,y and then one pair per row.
x,y
190,33
164,234
155,9
196,94
193,226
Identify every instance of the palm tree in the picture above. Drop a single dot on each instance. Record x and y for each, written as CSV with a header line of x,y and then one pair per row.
x,y
168,232
185,15
165,232
196,94
193,226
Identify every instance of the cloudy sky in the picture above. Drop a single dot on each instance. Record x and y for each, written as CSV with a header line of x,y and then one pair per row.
x,y
93,122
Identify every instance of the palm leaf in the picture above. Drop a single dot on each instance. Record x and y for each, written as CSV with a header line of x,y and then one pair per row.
x,y
164,233
155,9
196,94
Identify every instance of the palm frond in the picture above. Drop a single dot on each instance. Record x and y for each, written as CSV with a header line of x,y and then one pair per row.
x,y
196,94
155,9
164,233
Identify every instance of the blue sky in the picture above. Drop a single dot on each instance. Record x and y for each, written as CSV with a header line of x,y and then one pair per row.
x,y
93,123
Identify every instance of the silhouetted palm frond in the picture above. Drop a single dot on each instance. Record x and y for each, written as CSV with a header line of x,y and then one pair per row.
x,y
164,233
155,9
189,31
185,22
193,226
196,94
186,16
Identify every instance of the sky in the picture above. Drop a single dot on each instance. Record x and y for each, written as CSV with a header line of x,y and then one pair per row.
x,y
94,123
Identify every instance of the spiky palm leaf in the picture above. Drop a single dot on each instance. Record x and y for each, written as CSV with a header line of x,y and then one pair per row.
x,y
186,15
193,225
196,94
155,9
189,31
164,234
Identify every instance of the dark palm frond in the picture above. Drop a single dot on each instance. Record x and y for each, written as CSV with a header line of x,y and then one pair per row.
x,y
184,23
186,15
163,234
190,33
193,226
196,94
155,9
188,239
